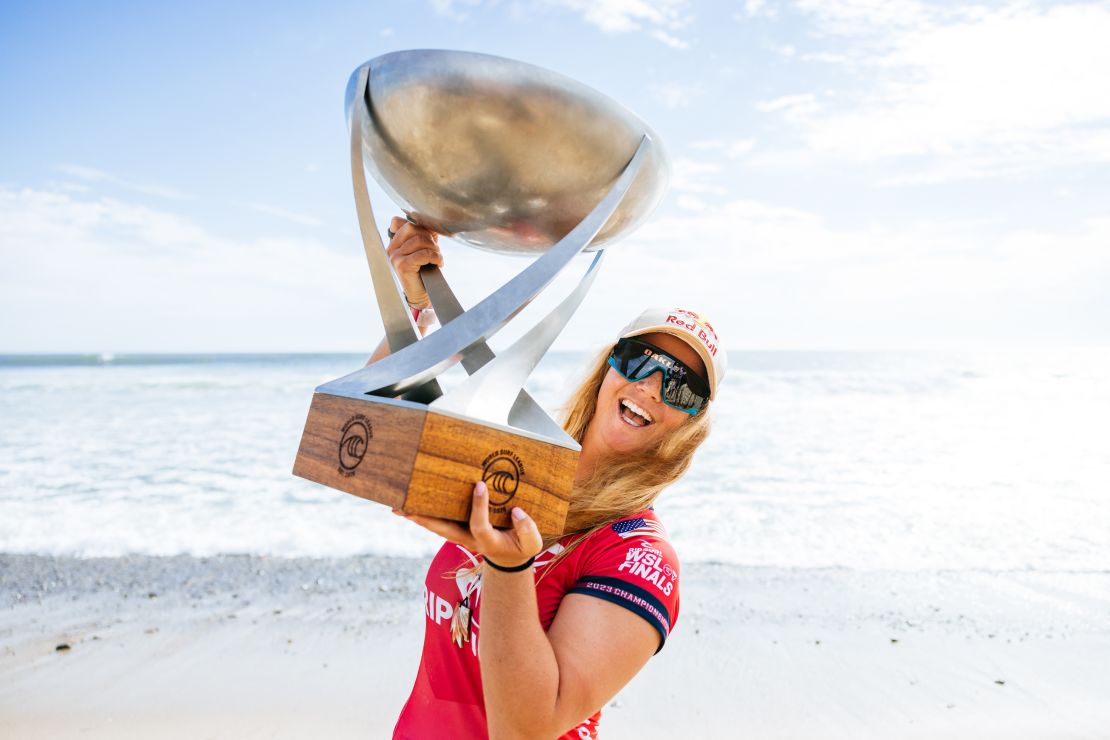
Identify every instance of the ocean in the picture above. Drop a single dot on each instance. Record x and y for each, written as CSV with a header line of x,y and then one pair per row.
x,y
901,461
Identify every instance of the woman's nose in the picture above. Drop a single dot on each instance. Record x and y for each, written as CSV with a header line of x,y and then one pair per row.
x,y
652,385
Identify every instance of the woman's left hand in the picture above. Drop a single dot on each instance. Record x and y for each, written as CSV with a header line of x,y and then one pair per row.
x,y
507,548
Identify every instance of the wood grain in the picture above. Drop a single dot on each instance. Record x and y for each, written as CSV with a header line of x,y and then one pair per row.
x,y
455,453
424,462
384,470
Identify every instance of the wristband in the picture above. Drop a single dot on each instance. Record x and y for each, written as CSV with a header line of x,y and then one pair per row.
x,y
515,569
424,317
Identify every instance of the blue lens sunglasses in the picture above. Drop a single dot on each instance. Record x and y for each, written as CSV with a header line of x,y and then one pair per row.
x,y
683,389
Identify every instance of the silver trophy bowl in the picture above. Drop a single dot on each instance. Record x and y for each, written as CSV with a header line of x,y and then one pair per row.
x,y
506,157
499,154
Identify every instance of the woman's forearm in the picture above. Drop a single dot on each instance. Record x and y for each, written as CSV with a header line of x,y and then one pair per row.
x,y
382,350
379,352
520,675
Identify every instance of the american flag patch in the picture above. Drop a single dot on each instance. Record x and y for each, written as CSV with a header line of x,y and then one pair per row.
x,y
639,527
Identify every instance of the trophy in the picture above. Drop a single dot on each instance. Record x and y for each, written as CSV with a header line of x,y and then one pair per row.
x,y
505,157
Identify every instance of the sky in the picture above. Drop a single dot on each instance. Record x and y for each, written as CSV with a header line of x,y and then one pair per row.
x,y
868,174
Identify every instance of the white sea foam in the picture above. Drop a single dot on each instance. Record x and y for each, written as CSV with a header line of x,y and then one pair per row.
x,y
901,461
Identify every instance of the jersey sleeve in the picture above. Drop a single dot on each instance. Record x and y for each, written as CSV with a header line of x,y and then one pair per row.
x,y
631,564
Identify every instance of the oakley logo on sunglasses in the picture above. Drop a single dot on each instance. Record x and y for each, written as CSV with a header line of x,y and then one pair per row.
x,y
664,360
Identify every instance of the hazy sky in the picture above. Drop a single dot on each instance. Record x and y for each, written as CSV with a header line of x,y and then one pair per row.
x,y
864,174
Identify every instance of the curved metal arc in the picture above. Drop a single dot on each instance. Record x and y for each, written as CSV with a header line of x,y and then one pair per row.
x,y
526,413
421,361
396,319
491,393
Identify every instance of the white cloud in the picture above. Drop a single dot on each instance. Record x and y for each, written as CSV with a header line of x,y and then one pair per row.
x,y
98,274
866,17
454,9
676,95
784,277
690,203
90,274
660,19
95,273
672,41
90,174
297,218
786,102
793,108
615,16
733,149
755,9
695,176
977,92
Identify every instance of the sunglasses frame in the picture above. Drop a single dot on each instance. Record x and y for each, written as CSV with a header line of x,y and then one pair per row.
x,y
693,410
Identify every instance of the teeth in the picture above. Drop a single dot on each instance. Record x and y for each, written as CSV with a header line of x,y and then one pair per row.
x,y
637,409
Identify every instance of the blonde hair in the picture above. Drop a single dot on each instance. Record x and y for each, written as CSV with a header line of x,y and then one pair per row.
x,y
623,484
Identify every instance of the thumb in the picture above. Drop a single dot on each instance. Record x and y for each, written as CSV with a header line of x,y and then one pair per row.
x,y
527,533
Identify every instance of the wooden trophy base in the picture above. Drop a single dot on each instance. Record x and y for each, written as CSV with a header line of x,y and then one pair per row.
x,y
412,457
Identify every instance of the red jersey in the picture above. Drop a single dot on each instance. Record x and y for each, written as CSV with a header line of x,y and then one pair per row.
x,y
629,563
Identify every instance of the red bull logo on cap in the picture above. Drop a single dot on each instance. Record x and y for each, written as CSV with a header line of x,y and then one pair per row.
x,y
697,326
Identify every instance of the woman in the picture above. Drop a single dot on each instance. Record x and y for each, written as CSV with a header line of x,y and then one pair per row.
x,y
527,638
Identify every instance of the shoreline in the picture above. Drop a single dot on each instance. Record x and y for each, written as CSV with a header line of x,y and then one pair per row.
x,y
248,646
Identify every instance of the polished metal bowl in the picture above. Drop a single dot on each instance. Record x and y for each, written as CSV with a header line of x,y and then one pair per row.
x,y
499,154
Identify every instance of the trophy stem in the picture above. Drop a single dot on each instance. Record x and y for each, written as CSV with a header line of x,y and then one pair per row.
x,y
491,393
525,412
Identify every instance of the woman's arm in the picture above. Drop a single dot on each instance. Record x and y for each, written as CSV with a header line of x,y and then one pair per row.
x,y
411,248
537,684
540,685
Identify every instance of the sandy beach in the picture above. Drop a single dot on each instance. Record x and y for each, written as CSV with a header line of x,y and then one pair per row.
x,y
251,647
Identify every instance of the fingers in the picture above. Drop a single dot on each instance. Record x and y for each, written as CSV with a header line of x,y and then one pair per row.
x,y
527,533
411,248
408,237
505,548
479,514
414,260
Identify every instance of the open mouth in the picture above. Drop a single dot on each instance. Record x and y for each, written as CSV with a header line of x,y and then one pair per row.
x,y
633,415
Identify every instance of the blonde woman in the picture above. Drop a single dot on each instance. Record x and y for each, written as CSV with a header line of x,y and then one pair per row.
x,y
529,638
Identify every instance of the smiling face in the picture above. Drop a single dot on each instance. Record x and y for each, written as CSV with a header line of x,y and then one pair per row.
x,y
631,417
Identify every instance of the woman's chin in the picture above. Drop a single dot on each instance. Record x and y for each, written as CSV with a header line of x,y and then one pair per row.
x,y
621,437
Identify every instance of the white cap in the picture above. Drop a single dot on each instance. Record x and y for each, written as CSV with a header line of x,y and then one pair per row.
x,y
692,328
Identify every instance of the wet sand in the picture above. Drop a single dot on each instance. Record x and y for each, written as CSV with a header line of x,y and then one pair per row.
x,y
250,647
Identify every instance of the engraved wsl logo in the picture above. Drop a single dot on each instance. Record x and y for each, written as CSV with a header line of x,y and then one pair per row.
x,y
352,445
502,471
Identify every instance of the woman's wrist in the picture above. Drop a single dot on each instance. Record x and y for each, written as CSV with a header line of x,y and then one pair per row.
x,y
511,568
423,316
424,305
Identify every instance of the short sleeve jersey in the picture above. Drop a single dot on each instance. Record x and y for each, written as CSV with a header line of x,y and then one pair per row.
x,y
629,563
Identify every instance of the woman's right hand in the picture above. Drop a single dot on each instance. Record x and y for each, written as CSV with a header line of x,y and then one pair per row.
x,y
411,248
